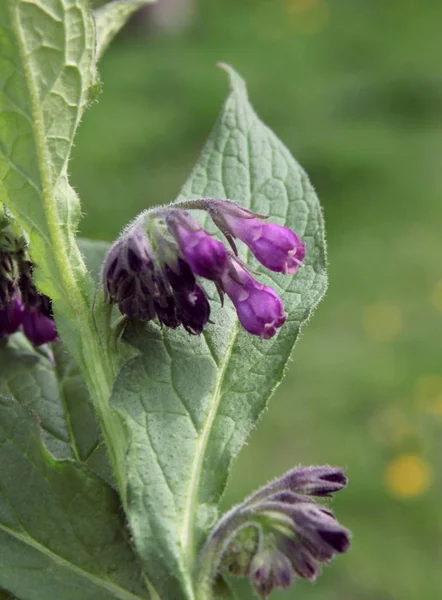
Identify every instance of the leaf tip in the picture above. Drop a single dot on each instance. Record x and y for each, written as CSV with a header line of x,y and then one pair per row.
x,y
237,83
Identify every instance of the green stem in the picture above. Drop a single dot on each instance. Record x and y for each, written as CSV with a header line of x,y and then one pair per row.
x,y
213,550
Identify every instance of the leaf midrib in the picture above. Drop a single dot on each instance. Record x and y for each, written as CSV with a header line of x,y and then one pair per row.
x,y
47,186
191,505
118,591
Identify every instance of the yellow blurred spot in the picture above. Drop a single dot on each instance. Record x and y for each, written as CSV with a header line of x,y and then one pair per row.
x,y
382,321
428,394
309,16
436,297
408,475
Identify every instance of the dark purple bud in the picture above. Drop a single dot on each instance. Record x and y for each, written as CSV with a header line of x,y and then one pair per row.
x,y
206,256
138,307
260,309
11,318
130,277
38,328
180,275
193,309
317,529
276,247
313,481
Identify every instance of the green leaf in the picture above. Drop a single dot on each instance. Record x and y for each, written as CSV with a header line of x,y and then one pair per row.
x,y
111,17
50,385
191,402
28,376
46,71
61,533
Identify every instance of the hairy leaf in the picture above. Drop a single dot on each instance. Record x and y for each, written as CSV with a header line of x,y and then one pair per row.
x,y
50,385
190,402
47,75
111,17
46,71
61,535
29,376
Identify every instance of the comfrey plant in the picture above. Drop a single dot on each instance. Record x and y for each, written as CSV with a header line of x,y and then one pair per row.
x,y
132,374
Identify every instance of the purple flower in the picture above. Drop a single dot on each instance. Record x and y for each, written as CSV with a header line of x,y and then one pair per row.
x,y
279,532
148,284
278,248
206,256
38,327
11,316
311,481
153,269
260,310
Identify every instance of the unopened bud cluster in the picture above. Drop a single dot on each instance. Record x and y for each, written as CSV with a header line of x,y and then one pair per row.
x,y
154,268
21,305
281,532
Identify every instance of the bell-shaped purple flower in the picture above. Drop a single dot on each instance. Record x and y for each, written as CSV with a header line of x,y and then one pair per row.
x,y
276,247
206,256
260,310
11,316
193,309
39,328
129,275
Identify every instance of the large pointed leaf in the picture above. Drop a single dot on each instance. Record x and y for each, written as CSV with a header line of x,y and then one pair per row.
x,y
191,402
61,533
46,72
111,17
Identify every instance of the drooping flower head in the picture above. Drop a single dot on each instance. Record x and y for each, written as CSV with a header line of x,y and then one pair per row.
x,y
280,532
153,270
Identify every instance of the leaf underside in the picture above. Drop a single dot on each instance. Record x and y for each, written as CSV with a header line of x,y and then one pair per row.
x,y
191,402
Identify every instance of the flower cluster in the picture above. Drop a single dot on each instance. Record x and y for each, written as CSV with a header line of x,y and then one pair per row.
x,y
281,532
21,305
153,269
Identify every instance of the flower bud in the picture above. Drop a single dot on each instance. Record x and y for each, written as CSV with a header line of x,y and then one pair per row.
x,y
39,328
193,309
11,316
260,309
270,569
313,481
276,247
206,256
129,276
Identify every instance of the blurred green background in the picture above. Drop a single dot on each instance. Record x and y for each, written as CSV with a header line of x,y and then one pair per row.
x,y
354,88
